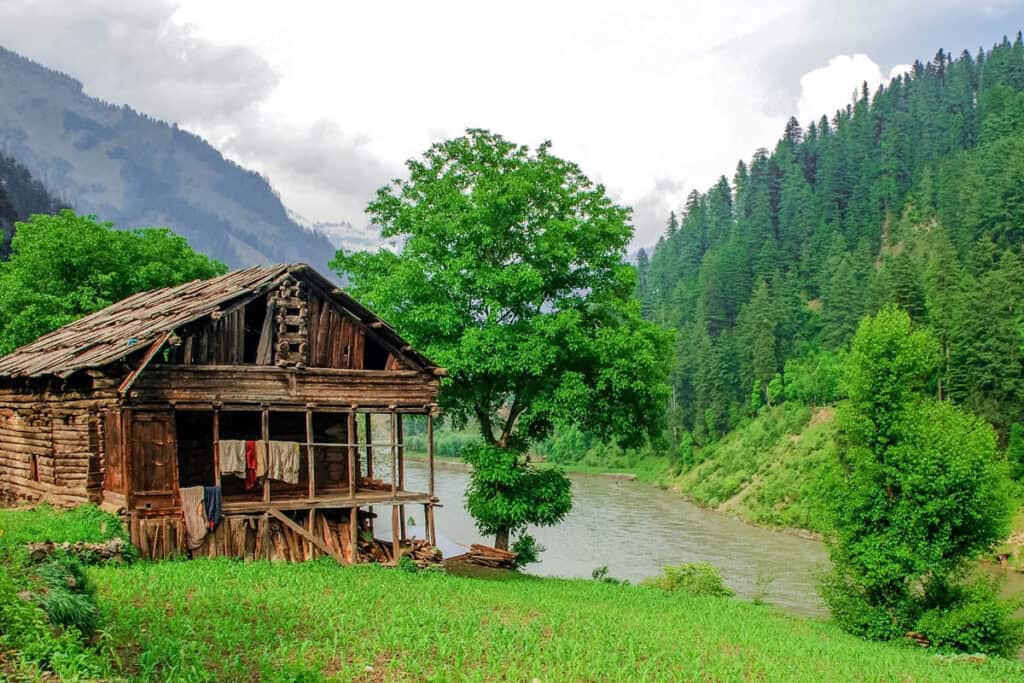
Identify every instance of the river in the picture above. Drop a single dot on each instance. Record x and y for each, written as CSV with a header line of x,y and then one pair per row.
x,y
635,529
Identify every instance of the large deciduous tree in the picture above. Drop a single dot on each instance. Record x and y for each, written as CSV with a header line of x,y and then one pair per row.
x,y
512,275
924,492
65,266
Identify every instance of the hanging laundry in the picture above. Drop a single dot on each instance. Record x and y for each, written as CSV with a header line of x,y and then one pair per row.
x,y
232,457
212,505
283,461
194,511
261,459
250,465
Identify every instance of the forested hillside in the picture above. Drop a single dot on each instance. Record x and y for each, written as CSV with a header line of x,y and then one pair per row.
x,y
913,194
133,170
21,195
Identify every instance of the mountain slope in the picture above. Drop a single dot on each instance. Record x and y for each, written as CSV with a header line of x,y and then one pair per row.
x,y
137,171
21,195
912,195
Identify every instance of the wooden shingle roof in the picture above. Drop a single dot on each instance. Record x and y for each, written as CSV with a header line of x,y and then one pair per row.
x,y
132,324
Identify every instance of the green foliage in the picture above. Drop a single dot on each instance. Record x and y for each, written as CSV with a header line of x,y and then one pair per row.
x,y
506,494
527,550
65,266
923,489
911,196
512,276
48,611
1015,451
972,618
696,578
776,469
814,379
224,620
407,564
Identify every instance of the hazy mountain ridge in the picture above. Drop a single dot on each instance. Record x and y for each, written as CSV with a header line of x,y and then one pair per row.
x,y
138,171
21,195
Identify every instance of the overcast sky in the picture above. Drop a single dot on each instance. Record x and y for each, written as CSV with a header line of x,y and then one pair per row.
x,y
653,99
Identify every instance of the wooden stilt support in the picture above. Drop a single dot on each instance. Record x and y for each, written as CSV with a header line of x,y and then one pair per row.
x,y
395,544
353,525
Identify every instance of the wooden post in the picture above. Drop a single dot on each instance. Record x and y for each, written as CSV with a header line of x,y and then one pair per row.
x,y
311,529
401,451
430,454
309,452
394,457
395,547
216,446
369,445
401,468
265,435
368,428
431,528
352,474
353,524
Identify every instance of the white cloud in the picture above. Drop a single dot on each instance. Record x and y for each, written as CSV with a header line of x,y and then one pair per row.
x,y
832,87
652,98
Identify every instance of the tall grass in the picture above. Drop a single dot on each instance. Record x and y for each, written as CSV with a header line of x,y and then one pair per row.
x,y
228,621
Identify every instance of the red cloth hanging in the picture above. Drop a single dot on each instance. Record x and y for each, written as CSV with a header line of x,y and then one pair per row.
x,y
250,465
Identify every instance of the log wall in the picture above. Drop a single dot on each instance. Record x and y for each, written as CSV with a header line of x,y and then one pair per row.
x,y
254,384
52,445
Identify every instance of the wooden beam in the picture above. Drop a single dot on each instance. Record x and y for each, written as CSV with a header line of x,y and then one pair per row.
x,y
394,458
130,379
290,523
265,435
352,474
309,452
430,454
369,445
216,447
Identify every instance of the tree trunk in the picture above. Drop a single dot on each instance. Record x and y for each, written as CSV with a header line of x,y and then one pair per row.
x,y
501,539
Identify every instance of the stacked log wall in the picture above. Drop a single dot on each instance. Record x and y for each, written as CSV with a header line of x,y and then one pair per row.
x,y
51,445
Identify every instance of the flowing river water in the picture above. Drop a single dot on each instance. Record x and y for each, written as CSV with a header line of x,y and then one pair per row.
x,y
635,529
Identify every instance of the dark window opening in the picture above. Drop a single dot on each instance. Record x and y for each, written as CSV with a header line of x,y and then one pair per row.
x,y
375,356
195,448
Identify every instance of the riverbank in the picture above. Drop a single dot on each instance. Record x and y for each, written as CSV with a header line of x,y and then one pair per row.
x,y
231,621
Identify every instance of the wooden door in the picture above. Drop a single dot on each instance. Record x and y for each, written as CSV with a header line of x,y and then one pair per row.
x,y
154,461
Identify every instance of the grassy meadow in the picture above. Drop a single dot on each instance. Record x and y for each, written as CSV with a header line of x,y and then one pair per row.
x,y
225,620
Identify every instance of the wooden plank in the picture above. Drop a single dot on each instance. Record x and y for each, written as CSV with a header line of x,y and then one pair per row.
x,y
130,379
265,348
290,523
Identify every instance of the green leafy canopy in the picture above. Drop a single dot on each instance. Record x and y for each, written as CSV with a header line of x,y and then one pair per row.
x,y
512,275
65,266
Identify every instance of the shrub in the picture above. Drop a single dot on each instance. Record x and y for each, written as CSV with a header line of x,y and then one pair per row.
x,y
972,618
697,578
527,550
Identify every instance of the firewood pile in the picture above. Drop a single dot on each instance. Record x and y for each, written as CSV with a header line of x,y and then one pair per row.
x,y
918,638
113,549
421,552
374,484
486,556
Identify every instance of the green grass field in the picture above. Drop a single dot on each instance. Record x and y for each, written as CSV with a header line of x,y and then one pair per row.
x,y
224,620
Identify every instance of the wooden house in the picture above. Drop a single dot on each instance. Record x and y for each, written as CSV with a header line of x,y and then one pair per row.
x,y
133,405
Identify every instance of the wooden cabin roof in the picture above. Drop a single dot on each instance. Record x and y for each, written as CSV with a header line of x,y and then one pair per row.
x,y
133,324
